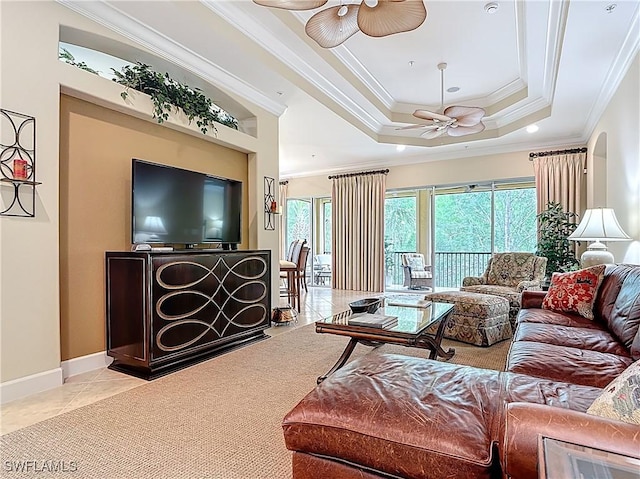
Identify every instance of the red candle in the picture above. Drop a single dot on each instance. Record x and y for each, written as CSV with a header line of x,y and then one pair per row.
x,y
19,169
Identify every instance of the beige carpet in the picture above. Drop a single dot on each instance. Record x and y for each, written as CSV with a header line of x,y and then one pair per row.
x,y
218,419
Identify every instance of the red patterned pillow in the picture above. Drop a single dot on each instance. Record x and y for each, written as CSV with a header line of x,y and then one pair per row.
x,y
574,292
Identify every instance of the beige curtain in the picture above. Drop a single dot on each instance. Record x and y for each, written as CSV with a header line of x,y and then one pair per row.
x,y
282,203
561,178
358,232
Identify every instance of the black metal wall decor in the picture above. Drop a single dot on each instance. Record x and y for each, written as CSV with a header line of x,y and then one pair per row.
x,y
270,204
18,161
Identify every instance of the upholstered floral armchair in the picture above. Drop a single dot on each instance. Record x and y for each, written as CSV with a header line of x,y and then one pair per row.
x,y
508,275
417,275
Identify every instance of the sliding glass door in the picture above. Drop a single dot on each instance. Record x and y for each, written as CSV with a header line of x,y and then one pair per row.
x,y
310,219
473,222
463,235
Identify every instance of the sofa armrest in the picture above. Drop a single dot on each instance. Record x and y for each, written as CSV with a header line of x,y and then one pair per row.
x,y
525,422
528,286
473,280
532,299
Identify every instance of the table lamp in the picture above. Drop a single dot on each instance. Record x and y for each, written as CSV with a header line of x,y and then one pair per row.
x,y
598,224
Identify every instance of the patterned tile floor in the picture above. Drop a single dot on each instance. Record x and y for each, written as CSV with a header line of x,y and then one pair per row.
x,y
83,389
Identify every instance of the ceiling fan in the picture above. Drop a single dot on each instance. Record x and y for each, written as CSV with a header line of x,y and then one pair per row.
x,y
332,26
453,120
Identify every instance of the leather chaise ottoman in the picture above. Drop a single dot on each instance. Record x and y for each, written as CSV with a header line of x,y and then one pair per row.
x,y
397,415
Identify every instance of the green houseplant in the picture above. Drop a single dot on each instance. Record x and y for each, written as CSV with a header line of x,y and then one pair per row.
x,y
554,227
167,93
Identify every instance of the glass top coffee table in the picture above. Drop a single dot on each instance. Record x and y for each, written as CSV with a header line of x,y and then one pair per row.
x,y
414,329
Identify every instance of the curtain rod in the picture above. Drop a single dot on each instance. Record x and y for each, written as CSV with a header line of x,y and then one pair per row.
x,y
556,152
361,173
284,182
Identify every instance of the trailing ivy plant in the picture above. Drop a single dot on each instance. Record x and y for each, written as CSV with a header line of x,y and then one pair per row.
x,y
167,93
66,56
555,225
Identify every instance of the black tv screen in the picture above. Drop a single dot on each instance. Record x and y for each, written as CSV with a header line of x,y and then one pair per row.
x,y
177,206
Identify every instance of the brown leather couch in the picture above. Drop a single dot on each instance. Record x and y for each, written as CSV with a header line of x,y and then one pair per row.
x,y
392,416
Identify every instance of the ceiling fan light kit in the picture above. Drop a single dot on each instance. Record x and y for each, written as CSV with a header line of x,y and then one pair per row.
x,y
376,18
453,120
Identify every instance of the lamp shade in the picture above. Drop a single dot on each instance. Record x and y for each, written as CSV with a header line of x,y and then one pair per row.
x,y
599,224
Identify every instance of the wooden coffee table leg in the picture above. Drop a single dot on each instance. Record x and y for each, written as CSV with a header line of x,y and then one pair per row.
x,y
346,354
435,344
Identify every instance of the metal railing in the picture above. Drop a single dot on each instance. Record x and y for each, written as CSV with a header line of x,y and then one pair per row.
x,y
449,269
452,267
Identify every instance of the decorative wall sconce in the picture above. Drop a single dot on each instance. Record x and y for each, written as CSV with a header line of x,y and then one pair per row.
x,y
271,207
18,161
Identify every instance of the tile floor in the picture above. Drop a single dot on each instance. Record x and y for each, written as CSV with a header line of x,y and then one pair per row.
x,y
83,389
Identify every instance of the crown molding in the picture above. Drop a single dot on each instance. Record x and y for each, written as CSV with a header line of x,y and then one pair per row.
x,y
556,26
169,50
281,52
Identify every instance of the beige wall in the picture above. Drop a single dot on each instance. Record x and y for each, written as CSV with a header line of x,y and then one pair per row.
x,y
31,80
620,126
96,148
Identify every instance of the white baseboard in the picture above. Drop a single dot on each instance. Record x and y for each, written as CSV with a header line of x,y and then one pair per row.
x,y
28,385
84,364
36,383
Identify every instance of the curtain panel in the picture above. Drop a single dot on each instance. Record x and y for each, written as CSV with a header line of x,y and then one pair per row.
x,y
561,178
358,232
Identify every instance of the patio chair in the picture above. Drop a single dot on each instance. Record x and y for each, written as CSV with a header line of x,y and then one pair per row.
x,y
321,268
417,275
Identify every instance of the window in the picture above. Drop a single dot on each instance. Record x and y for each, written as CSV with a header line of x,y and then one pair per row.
x,y
473,222
400,233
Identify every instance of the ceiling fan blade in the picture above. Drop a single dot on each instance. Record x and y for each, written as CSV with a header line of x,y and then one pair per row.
x,y
329,29
430,115
466,130
431,134
391,16
291,4
466,115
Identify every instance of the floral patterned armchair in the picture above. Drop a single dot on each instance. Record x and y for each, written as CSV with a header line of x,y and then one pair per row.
x,y
508,275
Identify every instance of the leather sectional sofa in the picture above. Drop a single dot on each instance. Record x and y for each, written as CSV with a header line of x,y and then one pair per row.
x,y
391,416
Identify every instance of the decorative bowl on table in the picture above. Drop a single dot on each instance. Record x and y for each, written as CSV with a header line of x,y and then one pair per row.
x,y
367,305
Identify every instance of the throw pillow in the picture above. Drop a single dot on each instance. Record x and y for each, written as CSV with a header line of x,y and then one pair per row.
x,y
574,292
415,263
621,398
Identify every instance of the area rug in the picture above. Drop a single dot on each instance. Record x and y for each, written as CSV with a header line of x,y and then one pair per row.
x,y
218,419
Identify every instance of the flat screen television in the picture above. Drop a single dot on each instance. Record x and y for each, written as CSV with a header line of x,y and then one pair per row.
x,y
172,205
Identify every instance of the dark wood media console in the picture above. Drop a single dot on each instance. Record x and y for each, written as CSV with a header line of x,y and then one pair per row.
x,y
167,310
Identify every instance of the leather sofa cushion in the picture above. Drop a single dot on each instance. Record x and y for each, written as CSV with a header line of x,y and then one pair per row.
x,y
566,364
544,316
581,338
411,417
521,388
